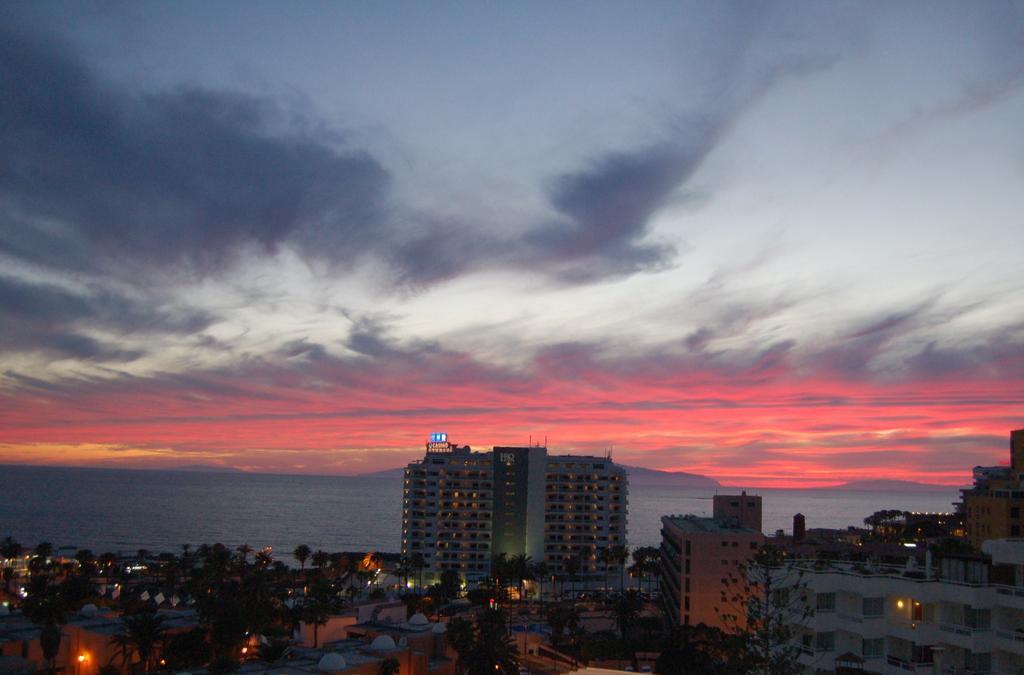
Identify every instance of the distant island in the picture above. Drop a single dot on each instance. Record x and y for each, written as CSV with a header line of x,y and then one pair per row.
x,y
638,476
641,477
204,468
887,485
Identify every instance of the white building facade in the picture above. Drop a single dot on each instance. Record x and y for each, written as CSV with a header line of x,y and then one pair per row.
x,y
950,617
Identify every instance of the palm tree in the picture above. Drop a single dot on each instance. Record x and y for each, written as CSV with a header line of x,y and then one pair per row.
x,y
316,608
302,553
9,549
141,633
647,560
605,557
626,609
460,638
418,563
520,567
485,649
321,559
540,573
243,554
572,569
620,555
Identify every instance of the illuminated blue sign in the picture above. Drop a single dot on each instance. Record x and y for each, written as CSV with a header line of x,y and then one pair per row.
x,y
438,437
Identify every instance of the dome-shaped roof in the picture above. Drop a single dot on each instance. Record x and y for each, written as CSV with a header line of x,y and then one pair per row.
x,y
382,643
89,610
331,662
418,619
439,629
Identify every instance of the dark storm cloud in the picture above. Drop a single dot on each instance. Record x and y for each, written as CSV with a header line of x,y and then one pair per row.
x,y
106,180
47,318
99,179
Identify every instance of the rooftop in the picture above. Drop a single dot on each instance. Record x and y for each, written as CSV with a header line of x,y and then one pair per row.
x,y
691,523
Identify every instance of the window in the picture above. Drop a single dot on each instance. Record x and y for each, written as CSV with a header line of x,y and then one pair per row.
x,y
687,547
873,648
826,602
1015,512
825,642
978,619
873,607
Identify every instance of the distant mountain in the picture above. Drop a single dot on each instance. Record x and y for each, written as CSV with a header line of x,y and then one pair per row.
x,y
641,477
205,468
885,485
638,477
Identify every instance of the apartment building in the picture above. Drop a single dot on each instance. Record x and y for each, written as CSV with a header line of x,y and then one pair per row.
x,y
461,508
994,504
956,614
700,558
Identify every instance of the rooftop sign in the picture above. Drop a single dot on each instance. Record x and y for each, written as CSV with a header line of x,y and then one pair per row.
x,y
439,437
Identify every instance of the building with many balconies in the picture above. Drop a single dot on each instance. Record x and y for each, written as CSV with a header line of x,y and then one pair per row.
x,y
960,614
461,508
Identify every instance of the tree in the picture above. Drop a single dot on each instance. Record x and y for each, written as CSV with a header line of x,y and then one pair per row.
x,y
520,568
563,620
626,609
483,649
540,572
620,555
321,559
9,549
140,633
647,562
389,666
316,608
460,638
302,553
696,649
604,556
572,569
417,563
450,584
765,606
45,606
186,650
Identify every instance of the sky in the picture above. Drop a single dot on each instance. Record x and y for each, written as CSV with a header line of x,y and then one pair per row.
x,y
773,243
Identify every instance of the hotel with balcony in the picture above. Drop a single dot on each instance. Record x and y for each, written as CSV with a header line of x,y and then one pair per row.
x,y
961,614
460,508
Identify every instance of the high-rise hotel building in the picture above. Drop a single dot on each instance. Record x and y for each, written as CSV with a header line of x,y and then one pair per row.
x,y
460,508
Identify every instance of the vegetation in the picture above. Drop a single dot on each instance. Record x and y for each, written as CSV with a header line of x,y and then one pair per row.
x,y
484,648
766,601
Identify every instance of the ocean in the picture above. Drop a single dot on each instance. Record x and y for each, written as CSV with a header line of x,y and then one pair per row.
x,y
126,510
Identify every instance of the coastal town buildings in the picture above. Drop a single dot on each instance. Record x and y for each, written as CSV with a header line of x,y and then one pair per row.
x,y
994,504
953,613
700,557
460,508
